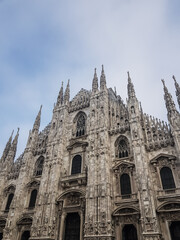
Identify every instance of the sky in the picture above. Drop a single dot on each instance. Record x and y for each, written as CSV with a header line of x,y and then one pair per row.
x,y
45,42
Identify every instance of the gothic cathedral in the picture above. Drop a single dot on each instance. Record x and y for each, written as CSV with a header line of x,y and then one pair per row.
x,y
102,169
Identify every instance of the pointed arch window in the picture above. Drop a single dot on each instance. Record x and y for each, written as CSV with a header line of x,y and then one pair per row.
x,y
39,166
76,164
125,184
81,125
122,147
9,201
167,178
33,197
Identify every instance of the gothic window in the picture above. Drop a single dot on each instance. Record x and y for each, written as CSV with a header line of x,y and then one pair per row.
x,y
122,147
9,201
167,178
33,197
76,164
39,166
125,185
81,124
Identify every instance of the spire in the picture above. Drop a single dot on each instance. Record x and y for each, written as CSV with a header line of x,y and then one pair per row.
x,y
102,79
60,96
37,121
67,93
14,144
177,90
95,82
171,108
131,91
7,148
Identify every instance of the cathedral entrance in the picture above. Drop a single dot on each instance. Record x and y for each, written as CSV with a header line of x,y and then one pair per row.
x,y
25,235
72,227
175,230
129,232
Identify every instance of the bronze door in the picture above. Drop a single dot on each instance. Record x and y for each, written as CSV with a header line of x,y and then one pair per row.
x,y
25,235
129,232
175,230
72,229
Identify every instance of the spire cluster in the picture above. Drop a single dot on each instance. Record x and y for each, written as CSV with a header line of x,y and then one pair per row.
x,y
10,148
102,81
63,97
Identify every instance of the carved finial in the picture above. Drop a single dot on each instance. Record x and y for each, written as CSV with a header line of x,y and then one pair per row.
x,y
60,96
131,91
177,90
7,148
95,82
14,145
171,109
37,121
67,93
102,80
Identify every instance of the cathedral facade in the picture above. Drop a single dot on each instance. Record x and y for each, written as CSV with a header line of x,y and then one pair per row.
x,y
102,169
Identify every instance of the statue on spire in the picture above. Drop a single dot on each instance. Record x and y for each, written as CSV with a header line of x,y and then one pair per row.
x,y
177,90
95,82
102,79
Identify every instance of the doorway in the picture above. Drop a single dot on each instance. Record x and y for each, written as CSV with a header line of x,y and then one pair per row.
x,y
72,227
129,232
25,235
175,230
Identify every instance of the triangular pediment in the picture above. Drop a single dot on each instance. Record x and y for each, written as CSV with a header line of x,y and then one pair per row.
x,y
161,156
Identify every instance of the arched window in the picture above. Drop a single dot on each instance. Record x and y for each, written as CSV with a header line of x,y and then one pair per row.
x,y
9,201
76,164
167,178
125,185
25,235
39,166
123,149
81,123
33,197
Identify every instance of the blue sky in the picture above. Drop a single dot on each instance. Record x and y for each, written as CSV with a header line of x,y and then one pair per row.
x,y
44,42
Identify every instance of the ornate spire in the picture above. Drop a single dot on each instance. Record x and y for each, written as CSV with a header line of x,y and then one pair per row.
x,y
177,90
102,79
7,148
37,121
60,96
67,93
131,91
14,145
170,105
95,82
